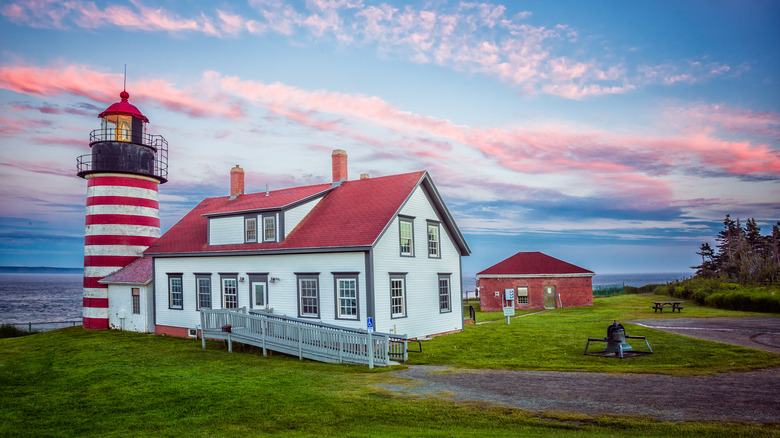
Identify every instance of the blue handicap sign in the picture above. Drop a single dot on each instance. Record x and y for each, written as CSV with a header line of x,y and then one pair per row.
x,y
370,323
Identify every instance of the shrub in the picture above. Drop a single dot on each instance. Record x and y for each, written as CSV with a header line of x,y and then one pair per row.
x,y
11,331
755,300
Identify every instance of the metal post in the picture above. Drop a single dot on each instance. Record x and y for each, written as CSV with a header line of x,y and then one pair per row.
x,y
370,350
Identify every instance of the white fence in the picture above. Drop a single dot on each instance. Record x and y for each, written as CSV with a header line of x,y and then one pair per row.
x,y
298,337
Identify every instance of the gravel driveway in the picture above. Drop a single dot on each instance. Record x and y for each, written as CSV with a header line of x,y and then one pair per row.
x,y
742,396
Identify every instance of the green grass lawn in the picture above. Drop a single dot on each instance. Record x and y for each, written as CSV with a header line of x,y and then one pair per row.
x,y
74,382
555,340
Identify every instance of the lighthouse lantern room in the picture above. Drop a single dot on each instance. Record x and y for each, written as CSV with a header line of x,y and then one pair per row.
x,y
123,172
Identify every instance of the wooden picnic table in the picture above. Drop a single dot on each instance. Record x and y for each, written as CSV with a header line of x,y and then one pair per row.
x,y
661,305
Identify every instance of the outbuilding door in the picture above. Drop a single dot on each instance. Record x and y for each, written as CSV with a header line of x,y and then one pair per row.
x,y
549,297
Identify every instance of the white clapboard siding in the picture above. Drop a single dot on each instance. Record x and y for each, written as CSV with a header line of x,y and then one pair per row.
x,y
422,294
226,230
294,216
282,294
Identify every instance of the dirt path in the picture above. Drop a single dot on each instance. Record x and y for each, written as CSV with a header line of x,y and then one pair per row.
x,y
746,396
751,396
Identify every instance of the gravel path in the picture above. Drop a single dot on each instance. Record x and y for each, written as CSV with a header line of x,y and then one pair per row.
x,y
744,396
750,396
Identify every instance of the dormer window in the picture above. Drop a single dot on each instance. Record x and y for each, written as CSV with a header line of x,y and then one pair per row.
x,y
269,228
250,229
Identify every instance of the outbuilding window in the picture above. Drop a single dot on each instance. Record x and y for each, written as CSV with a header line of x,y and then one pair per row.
x,y
136,295
522,295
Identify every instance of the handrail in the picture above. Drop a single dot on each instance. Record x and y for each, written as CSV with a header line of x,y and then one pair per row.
x,y
301,338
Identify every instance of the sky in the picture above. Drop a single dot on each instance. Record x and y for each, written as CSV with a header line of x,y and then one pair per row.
x,y
613,135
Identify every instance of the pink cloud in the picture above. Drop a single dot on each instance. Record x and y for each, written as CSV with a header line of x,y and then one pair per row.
x,y
630,165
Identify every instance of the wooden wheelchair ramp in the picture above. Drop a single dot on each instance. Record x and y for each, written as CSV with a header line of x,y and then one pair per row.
x,y
302,338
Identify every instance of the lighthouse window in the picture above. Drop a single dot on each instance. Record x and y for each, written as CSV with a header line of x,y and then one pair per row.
x,y
175,292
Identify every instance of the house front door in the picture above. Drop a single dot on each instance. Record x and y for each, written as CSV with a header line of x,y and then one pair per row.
x,y
258,294
549,297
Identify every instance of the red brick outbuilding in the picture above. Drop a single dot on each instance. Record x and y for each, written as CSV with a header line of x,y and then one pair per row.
x,y
537,280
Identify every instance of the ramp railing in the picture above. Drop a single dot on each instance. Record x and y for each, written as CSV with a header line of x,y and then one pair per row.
x,y
302,338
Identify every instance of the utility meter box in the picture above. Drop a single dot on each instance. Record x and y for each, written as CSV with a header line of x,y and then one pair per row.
x,y
509,294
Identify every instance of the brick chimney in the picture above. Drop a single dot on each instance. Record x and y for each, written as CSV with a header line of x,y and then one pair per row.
x,y
339,158
236,182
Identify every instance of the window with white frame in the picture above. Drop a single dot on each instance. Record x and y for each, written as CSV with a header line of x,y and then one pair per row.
x,y
346,296
445,303
136,296
397,296
406,232
250,229
229,292
269,228
308,296
433,240
522,295
175,292
203,286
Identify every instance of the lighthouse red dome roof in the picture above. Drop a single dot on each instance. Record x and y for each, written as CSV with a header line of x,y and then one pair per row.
x,y
124,108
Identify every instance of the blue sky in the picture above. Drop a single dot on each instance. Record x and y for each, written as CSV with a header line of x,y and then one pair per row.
x,y
613,135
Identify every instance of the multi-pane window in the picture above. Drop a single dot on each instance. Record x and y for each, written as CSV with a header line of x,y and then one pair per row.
x,y
230,293
175,292
250,227
203,285
522,295
397,297
433,240
407,237
269,229
136,295
308,296
346,289
445,304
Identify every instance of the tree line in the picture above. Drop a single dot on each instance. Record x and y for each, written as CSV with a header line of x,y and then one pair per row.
x,y
742,255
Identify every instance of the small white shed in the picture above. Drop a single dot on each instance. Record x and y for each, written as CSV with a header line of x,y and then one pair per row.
x,y
130,297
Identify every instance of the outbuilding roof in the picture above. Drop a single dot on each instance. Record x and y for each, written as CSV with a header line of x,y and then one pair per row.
x,y
138,272
351,214
533,263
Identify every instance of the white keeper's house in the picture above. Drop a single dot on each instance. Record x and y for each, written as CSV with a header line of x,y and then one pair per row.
x,y
340,252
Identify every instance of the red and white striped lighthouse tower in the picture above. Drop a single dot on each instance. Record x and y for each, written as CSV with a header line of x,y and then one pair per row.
x,y
122,172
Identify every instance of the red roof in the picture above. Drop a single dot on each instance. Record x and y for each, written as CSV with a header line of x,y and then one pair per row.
x,y
124,108
352,214
533,263
138,272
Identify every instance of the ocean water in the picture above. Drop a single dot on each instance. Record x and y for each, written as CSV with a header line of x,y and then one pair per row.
x,y
638,280
40,297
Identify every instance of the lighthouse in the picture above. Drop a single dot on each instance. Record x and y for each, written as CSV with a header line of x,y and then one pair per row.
x,y
123,171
